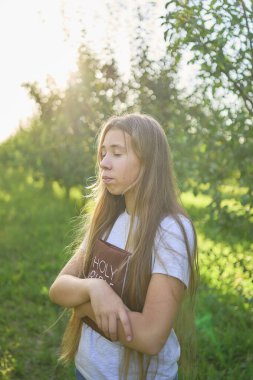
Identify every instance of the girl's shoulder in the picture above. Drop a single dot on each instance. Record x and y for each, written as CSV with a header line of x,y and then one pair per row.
x,y
171,221
171,231
174,241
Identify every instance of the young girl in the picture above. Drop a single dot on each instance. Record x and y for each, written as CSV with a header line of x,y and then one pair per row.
x,y
136,208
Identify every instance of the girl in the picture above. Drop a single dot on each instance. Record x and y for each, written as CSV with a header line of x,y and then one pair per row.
x,y
136,208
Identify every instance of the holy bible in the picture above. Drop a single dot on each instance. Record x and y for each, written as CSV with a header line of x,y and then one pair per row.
x,y
105,263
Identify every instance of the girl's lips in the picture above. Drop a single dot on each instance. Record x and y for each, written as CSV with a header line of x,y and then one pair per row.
x,y
107,179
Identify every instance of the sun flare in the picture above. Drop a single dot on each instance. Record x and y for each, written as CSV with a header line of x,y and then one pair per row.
x,y
41,38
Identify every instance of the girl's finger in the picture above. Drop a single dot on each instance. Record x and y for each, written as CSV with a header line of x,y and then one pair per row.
x,y
99,322
124,318
105,324
113,330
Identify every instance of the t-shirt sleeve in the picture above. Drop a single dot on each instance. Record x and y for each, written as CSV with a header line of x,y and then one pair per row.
x,y
170,254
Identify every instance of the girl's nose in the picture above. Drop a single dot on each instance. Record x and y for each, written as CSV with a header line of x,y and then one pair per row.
x,y
105,163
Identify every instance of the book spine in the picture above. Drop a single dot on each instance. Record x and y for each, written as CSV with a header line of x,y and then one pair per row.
x,y
124,280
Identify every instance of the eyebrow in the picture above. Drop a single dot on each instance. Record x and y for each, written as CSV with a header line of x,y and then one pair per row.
x,y
114,146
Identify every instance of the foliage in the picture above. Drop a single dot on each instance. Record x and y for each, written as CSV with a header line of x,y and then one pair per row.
x,y
59,144
211,141
153,88
219,35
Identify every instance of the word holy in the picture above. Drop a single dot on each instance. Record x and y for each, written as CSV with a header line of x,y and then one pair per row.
x,y
102,269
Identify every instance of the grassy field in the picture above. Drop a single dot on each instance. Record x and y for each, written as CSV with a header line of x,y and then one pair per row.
x,y
35,226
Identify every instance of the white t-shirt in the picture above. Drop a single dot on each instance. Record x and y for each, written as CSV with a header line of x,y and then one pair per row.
x,y
98,358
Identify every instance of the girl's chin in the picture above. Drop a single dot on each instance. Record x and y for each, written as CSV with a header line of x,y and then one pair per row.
x,y
114,191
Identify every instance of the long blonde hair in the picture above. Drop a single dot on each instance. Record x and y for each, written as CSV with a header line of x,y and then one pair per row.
x,y
156,196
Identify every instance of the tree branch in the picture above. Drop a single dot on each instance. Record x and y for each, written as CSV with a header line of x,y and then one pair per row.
x,y
240,90
248,28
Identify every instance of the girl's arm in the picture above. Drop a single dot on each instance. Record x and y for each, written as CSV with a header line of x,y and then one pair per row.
x,y
69,290
152,327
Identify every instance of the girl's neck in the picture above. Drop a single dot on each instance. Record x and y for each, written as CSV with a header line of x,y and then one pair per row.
x,y
130,202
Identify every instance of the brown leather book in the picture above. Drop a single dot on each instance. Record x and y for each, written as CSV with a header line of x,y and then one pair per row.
x,y
106,261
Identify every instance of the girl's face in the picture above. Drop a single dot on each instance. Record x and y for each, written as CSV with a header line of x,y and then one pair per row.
x,y
120,166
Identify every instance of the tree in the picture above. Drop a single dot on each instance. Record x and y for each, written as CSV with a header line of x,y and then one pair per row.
x,y
219,35
59,142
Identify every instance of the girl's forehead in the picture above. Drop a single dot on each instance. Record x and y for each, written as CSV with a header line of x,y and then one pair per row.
x,y
116,137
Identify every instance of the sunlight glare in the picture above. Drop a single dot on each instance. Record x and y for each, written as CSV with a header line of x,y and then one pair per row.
x,y
41,39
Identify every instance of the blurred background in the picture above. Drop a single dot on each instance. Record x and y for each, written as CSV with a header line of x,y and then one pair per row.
x,y
66,66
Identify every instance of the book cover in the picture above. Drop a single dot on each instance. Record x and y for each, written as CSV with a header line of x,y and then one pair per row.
x,y
105,263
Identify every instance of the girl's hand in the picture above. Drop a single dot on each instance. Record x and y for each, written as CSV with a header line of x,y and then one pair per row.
x,y
108,309
82,310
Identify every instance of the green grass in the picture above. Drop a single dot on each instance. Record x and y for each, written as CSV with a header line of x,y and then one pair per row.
x,y
224,316
35,226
